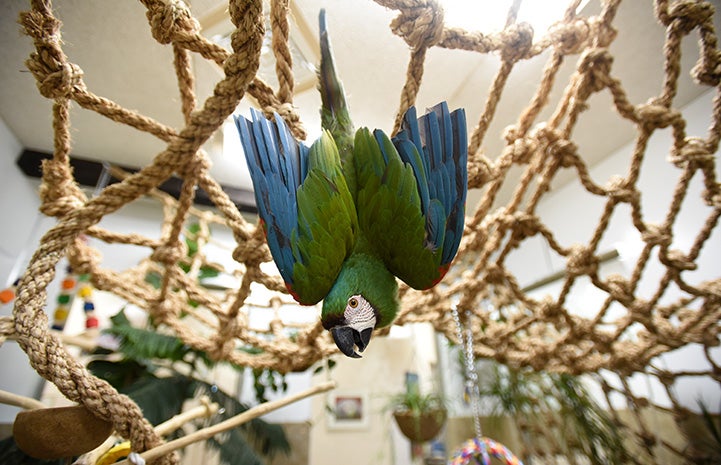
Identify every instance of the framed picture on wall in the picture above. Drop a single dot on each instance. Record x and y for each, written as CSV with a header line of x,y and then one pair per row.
x,y
348,410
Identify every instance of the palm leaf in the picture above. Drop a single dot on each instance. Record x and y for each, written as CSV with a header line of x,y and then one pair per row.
x,y
119,374
712,428
265,438
160,398
142,344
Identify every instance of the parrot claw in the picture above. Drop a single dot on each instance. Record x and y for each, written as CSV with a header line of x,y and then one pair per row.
x,y
346,338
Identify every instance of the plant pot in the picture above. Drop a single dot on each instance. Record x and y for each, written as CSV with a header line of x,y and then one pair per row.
x,y
420,428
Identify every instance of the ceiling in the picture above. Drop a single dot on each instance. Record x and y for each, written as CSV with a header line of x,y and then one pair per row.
x,y
113,45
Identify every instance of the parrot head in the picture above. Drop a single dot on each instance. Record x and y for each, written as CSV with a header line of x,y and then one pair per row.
x,y
364,297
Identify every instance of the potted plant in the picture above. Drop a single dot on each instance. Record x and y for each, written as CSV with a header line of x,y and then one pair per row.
x,y
420,417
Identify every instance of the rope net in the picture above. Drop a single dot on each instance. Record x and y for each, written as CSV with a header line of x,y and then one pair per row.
x,y
623,336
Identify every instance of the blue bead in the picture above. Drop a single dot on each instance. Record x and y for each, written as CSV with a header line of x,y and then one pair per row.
x,y
88,306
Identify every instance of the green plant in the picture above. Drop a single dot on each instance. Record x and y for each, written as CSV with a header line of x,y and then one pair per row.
x,y
420,417
414,402
704,435
557,411
159,372
205,271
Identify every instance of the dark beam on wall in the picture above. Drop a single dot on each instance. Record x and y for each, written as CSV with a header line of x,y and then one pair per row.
x,y
87,173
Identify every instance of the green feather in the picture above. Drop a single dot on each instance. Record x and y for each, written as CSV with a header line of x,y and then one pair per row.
x,y
389,211
334,114
327,223
363,273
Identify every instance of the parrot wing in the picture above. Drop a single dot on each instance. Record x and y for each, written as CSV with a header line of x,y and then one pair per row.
x,y
412,193
304,203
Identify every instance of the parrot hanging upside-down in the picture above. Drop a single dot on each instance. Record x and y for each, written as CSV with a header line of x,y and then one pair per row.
x,y
346,216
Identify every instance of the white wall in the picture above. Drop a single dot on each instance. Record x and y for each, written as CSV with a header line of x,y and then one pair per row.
x,y
20,235
20,231
572,214
377,376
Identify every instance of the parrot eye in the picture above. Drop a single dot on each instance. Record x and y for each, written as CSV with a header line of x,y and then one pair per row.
x,y
353,302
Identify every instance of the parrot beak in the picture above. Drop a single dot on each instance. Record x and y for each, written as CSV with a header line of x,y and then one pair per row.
x,y
347,338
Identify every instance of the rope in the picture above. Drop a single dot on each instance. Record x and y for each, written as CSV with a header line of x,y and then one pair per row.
x,y
543,333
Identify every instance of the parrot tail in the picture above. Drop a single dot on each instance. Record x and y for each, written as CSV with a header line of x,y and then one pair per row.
x,y
335,109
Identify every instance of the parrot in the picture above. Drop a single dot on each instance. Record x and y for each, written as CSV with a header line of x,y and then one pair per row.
x,y
348,215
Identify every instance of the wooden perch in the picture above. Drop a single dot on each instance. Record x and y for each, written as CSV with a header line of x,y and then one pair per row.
x,y
230,423
26,403
206,409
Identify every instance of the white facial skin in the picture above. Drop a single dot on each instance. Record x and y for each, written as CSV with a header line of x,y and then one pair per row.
x,y
359,313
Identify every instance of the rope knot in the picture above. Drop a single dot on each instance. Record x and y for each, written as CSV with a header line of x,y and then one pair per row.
x,y
169,254
676,259
480,172
565,151
581,261
619,191
694,151
58,83
517,40
421,26
519,148
548,309
596,66
170,20
494,274
619,289
653,235
656,116
525,225
83,258
56,78
251,252
570,38
708,69
689,14
59,193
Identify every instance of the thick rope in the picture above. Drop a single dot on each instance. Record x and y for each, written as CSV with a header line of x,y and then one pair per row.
x,y
542,333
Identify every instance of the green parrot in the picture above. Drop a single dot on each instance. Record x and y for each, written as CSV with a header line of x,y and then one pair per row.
x,y
357,209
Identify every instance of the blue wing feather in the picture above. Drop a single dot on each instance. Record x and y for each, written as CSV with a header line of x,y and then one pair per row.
x,y
277,165
441,172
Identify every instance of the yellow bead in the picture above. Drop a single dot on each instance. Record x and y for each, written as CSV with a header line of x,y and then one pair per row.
x,y
61,314
85,292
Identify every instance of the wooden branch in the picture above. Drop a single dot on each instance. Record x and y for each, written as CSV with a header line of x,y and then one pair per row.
x,y
27,403
206,409
207,433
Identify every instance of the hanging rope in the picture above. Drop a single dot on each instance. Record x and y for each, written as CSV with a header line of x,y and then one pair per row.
x,y
542,333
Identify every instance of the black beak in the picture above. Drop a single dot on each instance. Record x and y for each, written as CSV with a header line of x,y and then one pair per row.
x,y
363,338
346,338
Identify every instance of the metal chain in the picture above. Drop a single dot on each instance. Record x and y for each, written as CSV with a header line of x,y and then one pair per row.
x,y
471,383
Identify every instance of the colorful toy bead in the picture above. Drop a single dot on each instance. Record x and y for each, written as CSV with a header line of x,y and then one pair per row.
x,y
91,322
85,292
7,295
117,452
60,317
61,314
479,451
65,300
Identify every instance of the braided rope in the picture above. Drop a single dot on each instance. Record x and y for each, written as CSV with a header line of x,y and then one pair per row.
x,y
544,333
